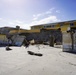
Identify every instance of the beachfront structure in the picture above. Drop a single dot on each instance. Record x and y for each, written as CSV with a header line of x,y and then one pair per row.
x,y
64,32
9,31
63,25
36,28
3,40
68,29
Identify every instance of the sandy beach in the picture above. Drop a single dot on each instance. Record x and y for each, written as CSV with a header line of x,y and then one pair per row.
x,y
53,62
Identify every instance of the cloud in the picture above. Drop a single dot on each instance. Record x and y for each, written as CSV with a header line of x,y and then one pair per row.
x,y
0,19
23,25
44,18
41,18
15,22
49,19
16,2
12,4
12,23
50,11
37,16
57,11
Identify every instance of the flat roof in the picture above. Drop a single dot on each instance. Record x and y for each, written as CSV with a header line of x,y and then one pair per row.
x,y
54,23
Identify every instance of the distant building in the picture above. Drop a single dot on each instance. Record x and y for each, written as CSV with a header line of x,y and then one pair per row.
x,y
63,25
63,32
5,30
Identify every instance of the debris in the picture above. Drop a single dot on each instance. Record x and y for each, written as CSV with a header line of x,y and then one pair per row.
x,y
8,49
30,52
72,64
36,54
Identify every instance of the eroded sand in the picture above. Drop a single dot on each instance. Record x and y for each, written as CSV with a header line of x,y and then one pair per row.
x,y
53,61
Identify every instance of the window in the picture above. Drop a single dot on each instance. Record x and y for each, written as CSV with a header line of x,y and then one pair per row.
x,y
44,26
48,26
52,25
71,24
61,24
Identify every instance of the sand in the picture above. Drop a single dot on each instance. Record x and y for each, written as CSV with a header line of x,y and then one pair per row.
x,y
53,62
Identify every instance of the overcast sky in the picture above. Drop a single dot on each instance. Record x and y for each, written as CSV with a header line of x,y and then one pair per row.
x,y
26,13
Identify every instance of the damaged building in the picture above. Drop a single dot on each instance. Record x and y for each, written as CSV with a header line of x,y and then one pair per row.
x,y
60,32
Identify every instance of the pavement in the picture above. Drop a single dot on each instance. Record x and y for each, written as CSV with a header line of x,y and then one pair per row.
x,y
53,62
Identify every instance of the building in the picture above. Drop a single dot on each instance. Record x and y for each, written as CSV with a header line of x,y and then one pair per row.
x,y
64,32
68,29
63,25
8,31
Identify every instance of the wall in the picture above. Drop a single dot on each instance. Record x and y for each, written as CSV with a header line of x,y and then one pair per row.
x,y
69,41
44,35
3,40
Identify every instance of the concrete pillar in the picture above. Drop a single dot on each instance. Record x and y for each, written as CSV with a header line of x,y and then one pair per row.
x,y
51,41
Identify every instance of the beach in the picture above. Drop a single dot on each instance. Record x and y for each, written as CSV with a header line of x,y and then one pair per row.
x,y
53,62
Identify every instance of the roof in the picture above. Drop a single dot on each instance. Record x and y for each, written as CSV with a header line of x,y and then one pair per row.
x,y
54,23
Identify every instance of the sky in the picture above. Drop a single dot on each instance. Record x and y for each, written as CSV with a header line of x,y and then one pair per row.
x,y
26,13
